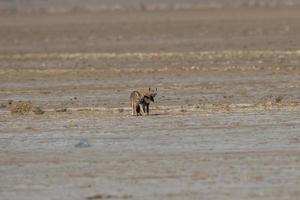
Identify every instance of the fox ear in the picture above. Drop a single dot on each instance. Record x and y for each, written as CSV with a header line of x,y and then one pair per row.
x,y
149,89
155,89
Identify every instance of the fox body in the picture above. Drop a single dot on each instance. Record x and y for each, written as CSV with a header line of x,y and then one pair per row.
x,y
141,101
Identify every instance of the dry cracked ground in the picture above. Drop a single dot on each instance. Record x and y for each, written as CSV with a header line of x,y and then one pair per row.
x,y
225,123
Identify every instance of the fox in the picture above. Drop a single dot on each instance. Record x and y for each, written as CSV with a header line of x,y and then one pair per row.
x,y
141,101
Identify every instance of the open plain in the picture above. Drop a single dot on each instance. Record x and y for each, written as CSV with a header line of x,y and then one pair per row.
x,y
225,123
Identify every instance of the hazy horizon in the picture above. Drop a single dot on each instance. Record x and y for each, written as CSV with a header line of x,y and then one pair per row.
x,y
13,6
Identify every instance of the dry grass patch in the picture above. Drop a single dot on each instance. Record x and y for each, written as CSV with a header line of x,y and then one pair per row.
x,y
21,107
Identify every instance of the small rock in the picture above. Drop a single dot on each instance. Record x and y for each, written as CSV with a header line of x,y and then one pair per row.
x,y
83,143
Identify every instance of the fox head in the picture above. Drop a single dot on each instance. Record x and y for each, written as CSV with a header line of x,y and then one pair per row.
x,y
149,96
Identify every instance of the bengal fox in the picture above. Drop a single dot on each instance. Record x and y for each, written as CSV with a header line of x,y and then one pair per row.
x,y
143,100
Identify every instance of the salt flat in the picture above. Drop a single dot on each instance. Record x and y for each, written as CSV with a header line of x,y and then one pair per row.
x,y
225,123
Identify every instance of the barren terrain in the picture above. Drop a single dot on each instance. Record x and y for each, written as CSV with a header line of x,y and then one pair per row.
x,y
225,123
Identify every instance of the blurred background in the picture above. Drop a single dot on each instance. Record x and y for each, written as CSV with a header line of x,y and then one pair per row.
x,y
12,6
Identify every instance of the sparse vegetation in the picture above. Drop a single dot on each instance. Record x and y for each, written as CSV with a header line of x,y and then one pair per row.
x,y
272,100
108,196
21,107
61,110
38,110
278,99
2,105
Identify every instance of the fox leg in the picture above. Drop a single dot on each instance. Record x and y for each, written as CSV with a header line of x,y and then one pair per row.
x,y
132,108
144,108
138,110
147,106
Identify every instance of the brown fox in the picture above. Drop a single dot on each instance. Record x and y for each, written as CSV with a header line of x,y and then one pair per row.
x,y
143,100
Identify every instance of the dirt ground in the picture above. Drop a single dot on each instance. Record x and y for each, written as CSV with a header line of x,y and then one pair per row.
x,y
224,125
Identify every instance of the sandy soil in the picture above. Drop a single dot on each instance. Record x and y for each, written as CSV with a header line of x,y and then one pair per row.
x,y
225,123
